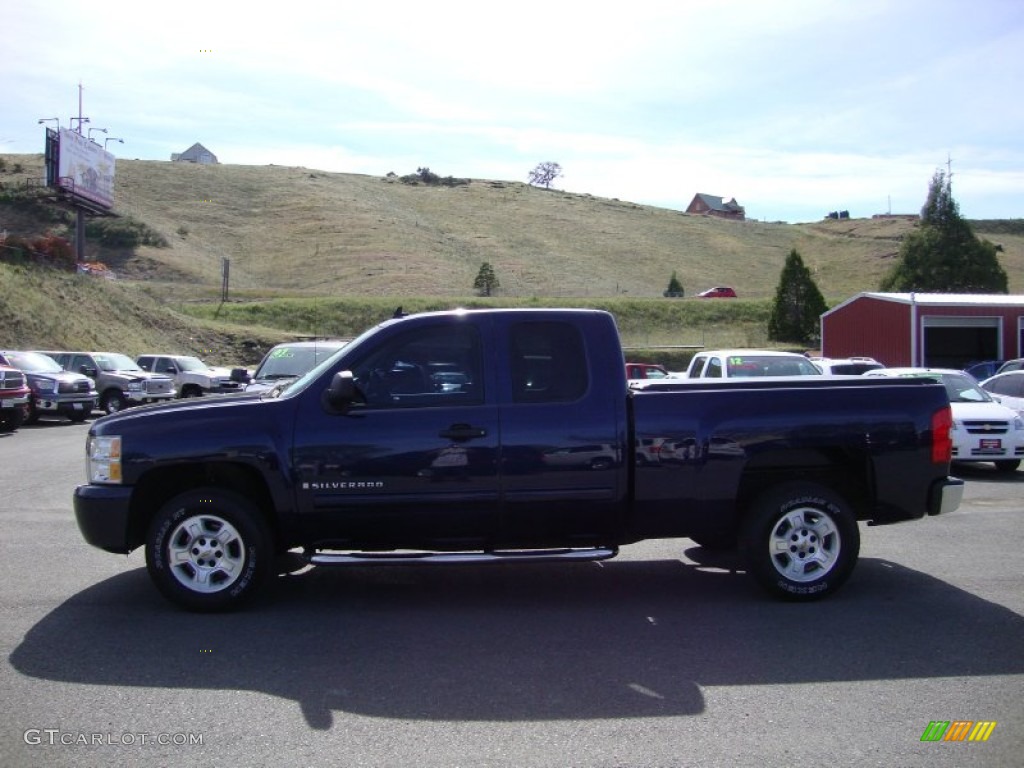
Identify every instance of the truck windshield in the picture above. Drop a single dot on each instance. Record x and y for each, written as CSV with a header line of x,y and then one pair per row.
x,y
33,362
770,365
191,364
116,362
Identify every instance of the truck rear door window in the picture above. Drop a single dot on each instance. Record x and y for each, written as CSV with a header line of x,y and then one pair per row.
x,y
547,362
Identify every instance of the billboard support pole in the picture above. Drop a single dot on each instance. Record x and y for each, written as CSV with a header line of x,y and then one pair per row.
x,y
79,235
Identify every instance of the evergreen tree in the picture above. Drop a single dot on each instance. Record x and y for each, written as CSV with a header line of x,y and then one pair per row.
x,y
943,255
675,288
486,281
798,304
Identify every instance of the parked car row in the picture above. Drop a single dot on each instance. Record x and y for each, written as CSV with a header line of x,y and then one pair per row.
x,y
986,369
74,384
53,391
988,417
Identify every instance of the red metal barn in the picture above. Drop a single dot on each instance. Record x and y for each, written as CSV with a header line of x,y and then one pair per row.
x,y
943,330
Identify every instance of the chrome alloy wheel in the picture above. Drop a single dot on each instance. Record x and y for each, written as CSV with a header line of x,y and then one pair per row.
x,y
206,553
804,544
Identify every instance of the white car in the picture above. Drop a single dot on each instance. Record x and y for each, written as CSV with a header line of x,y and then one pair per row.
x,y
983,430
846,366
743,363
1007,388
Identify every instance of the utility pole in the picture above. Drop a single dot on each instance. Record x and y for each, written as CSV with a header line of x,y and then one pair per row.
x,y
79,211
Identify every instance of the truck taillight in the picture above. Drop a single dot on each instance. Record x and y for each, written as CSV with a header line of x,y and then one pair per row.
x,y
942,439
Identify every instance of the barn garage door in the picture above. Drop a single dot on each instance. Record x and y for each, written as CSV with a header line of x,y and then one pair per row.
x,y
953,342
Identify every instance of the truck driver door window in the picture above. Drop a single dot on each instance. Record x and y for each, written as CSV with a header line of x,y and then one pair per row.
x,y
434,366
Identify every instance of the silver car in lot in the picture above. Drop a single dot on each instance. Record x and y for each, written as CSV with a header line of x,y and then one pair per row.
x,y
1007,388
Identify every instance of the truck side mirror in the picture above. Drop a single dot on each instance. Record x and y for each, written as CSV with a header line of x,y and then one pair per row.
x,y
240,375
342,392
88,370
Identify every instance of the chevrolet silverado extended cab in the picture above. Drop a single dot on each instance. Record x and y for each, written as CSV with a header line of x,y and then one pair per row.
x,y
509,436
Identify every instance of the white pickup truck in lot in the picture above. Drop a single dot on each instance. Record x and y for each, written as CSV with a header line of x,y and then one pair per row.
x,y
192,377
747,363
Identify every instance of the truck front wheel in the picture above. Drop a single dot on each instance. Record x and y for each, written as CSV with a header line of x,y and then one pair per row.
x,y
208,550
113,401
800,541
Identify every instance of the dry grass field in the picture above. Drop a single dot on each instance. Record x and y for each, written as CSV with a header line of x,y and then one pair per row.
x,y
338,239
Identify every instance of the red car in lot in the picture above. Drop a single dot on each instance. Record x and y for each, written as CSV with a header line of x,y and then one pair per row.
x,y
14,393
718,292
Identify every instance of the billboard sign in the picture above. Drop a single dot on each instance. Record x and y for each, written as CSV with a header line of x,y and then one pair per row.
x,y
84,169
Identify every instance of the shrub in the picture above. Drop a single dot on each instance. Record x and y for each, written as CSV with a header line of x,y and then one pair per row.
x,y
123,232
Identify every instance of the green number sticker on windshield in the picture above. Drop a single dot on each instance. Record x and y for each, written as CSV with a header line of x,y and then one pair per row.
x,y
277,354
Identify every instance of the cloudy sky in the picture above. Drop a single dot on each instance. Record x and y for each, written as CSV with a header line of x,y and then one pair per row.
x,y
793,107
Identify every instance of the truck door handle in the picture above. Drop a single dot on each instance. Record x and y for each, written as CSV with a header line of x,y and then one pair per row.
x,y
462,432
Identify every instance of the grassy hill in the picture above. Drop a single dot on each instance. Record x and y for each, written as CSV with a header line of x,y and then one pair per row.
x,y
328,237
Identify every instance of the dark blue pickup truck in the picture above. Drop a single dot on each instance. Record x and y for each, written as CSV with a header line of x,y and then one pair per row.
x,y
510,436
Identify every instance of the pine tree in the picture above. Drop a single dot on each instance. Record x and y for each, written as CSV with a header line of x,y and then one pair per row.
x,y
486,281
943,255
798,304
675,288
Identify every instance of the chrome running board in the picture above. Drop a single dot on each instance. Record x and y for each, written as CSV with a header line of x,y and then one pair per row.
x,y
456,558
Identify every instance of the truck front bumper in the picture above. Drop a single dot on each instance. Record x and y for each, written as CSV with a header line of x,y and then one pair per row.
x,y
66,404
145,398
103,513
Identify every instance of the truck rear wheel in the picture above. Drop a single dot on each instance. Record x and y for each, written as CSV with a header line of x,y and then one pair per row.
x,y
208,550
800,541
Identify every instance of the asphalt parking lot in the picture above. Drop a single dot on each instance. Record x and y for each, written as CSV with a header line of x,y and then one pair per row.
x,y
660,657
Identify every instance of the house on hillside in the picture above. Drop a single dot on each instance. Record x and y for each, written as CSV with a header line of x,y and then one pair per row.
x,y
197,153
710,205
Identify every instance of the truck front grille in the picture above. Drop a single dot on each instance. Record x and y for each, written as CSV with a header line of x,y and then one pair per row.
x,y
12,380
159,386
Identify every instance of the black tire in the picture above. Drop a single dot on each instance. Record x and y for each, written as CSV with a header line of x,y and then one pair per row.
x,y
1009,465
12,418
31,413
800,541
208,550
112,401
191,390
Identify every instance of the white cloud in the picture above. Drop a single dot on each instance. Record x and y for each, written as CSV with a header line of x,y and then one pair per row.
x,y
794,106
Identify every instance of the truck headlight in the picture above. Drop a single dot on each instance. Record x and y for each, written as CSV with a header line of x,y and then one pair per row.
x,y
134,386
103,457
44,386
